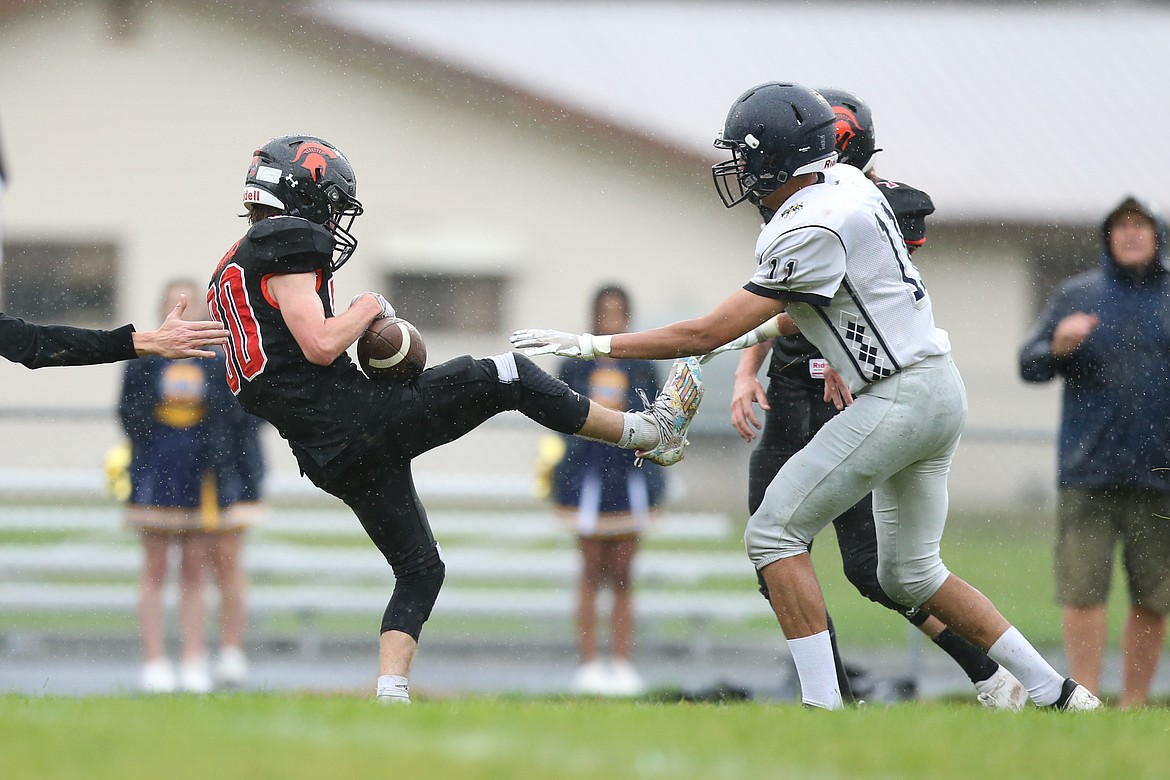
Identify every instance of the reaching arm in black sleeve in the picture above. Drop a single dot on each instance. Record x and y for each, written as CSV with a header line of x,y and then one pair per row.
x,y
37,346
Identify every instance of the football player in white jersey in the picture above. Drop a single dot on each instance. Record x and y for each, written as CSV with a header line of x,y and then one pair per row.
x,y
834,259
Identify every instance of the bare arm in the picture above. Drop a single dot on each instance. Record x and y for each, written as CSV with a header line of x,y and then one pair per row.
x,y
321,338
179,338
736,315
749,391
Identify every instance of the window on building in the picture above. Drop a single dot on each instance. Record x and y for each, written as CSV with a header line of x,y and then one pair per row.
x,y
61,282
449,301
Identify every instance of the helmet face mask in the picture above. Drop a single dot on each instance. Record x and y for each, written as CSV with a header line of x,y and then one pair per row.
x,y
775,131
304,176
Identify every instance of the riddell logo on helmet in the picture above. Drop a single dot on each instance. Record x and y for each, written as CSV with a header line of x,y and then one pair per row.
x,y
314,158
847,127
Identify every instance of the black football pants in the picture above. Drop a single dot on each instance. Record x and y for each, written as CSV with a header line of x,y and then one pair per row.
x,y
443,404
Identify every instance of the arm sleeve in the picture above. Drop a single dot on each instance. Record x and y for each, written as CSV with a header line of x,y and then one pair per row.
x,y
804,264
37,346
1037,362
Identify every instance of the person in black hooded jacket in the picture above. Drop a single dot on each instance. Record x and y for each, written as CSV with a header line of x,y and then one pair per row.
x,y
1106,334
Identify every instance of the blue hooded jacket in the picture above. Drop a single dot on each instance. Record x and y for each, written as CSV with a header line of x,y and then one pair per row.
x,y
1115,421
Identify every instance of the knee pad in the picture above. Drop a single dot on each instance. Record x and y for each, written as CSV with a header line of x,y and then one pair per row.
x,y
767,542
541,396
415,592
911,587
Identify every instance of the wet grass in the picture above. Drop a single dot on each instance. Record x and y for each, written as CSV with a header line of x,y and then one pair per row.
x,y
261,737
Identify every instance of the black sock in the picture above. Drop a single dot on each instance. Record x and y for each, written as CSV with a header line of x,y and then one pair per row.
x,y
846,689
973,660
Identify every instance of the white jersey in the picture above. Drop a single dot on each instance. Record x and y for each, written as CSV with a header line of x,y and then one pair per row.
x,y
834,252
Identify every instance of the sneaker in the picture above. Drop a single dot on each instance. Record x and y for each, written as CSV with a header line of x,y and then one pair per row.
x,y
193,677
1002,691
624,680
158,676
672,412
591,678
231,668
1075,697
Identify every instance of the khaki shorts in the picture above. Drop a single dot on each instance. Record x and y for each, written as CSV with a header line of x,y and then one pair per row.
x,y
1090,525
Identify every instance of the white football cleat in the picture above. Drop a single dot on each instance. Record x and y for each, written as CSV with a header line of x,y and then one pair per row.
x,y
672,412
1075,697
1002,691
193,677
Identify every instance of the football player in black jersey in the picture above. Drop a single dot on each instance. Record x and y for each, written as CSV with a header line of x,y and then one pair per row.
x,y
355,438
795,409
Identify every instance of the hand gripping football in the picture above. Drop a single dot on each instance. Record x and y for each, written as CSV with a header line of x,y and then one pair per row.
x,y
391,350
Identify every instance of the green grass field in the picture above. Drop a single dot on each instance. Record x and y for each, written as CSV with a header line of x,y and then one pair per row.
x,y
262,737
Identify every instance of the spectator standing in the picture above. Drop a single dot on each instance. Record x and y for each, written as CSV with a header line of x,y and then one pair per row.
x,y
1106,334
176,414
609,503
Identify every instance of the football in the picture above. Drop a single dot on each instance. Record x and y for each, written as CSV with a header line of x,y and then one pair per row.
x,y
392,350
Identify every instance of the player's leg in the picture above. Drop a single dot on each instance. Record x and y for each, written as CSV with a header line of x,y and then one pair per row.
x,y
857,541
1147,566
380,491
461,394
910,509
788,425
817,484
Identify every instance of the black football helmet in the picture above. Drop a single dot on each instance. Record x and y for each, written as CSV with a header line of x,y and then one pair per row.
x,y
855,136
775,131
307,177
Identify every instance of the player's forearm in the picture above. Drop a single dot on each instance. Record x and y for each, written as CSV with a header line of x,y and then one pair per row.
x,y
751,358
671,341
332,336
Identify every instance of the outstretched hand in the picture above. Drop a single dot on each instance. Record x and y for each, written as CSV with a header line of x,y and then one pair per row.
x,y
537,341
178,338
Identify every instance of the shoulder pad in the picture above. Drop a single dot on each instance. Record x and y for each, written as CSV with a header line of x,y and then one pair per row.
x,y
292,244
905,200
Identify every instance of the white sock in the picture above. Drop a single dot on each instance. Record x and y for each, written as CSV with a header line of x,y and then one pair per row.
x,y
1016,653
638,432
817,671
391,686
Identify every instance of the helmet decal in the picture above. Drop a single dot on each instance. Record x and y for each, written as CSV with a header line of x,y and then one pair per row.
x,y
848,127
314,158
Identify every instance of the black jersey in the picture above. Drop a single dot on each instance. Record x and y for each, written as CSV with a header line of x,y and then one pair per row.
x,y
794,359
37,346
325,412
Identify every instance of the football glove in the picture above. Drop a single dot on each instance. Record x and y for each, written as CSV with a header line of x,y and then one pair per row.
x,y
533,342
768,330
387,309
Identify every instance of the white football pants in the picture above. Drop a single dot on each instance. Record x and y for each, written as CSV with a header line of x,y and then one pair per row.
x,y
896,441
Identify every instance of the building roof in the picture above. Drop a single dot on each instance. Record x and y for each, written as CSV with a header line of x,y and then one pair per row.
x,y
1019,113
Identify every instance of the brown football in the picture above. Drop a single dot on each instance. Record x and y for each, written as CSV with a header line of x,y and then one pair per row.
x,y
392,350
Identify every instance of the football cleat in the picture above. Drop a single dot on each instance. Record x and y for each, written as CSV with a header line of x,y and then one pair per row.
x,y
1002,691
1075,697
672,412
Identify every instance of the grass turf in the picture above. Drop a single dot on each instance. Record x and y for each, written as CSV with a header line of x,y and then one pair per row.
x,y
258,736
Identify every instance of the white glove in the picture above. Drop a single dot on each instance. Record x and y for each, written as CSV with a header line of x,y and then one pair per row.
x,y
534,342
768,330
387,309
